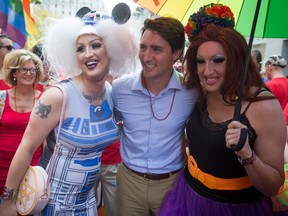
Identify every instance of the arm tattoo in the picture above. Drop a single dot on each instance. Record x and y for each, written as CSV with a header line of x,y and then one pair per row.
x,y
42,110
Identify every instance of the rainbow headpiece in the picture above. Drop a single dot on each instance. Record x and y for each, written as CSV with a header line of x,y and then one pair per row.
x,y
220,15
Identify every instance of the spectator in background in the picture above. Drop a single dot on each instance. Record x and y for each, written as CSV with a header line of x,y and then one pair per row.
x,y
22,70
264,76
280,201
178,66
50,74
6,46
278,83
110,162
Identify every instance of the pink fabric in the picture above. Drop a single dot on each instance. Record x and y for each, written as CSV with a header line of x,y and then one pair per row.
x,y
12,127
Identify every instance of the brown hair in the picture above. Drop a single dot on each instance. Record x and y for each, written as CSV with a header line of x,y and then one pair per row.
x,y
234,45
15,59
170,30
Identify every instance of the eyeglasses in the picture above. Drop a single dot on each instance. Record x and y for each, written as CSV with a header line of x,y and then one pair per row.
x,y
8,47
32,70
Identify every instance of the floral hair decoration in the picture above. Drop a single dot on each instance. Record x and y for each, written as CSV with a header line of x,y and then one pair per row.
x,y
220,15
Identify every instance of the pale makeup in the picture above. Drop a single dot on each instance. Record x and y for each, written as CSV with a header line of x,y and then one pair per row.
x,y
92,57
211,65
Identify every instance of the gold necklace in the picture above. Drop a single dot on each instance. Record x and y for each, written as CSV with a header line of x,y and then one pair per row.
x,y
19,119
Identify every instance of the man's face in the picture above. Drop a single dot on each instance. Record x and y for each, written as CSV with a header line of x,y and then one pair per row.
x,y
156,56
268,68
5,47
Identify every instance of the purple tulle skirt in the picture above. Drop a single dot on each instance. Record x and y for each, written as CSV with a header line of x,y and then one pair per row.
x,y
183,201
283,213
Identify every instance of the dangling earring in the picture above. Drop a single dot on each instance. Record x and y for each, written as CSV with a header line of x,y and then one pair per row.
x,y
14,78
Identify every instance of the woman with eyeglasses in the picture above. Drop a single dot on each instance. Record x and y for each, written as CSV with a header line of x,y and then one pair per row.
x,y
22,70
6,46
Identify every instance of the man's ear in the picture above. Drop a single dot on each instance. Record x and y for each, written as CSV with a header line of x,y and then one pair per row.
x,y
177,54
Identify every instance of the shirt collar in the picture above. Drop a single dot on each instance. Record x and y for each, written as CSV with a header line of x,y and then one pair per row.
x,y
175,82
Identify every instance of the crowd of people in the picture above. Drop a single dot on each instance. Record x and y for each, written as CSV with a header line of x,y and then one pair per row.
x,y
159,139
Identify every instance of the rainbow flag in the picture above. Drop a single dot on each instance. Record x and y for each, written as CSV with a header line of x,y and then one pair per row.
x,y
13,15
3,16
29,21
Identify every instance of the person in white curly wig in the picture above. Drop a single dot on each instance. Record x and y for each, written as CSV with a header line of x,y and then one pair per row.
x,y
60,44
85,54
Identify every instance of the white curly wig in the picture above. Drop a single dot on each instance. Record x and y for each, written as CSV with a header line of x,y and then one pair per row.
x,y
61,37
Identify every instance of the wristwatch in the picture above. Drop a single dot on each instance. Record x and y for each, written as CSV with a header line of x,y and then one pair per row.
x,y
8,193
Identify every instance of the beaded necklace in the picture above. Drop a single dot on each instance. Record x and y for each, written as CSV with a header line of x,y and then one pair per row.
x,y
171,105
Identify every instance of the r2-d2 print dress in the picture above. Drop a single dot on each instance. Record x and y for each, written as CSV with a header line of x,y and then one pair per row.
x,y
84,134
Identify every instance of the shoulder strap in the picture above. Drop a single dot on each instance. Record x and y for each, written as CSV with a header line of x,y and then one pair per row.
x,y
62,109
2,101
261,90
53,157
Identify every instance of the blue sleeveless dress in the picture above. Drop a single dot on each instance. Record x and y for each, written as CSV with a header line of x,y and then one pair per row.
x,y
85,133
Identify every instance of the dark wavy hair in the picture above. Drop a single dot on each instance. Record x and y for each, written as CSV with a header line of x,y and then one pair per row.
x,y
234,45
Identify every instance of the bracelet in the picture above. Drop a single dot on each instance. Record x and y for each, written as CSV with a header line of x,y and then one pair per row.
x,y
248,161
8,193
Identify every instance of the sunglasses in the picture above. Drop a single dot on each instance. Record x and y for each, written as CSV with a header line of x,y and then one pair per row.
x,y
8,47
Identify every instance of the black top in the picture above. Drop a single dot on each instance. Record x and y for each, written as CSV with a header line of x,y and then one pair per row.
x,y
208,147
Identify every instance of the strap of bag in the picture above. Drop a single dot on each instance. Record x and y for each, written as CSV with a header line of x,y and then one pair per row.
x,y
2,101
56,148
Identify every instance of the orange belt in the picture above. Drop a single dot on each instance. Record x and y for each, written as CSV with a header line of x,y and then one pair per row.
x,y
213,182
